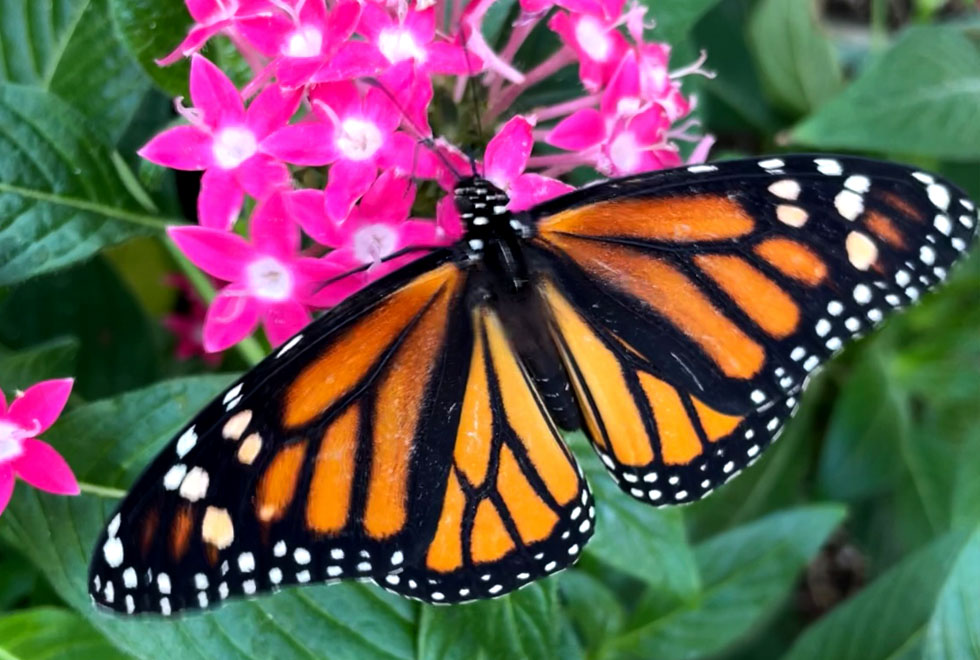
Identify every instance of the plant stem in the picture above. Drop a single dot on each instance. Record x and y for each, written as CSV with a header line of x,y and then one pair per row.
x,y
101,491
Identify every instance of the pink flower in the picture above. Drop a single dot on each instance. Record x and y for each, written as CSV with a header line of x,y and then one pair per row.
x,y
268,280
504,162
375,229
211,17
357,135
597,43
312,45
412,38
21,453
226,141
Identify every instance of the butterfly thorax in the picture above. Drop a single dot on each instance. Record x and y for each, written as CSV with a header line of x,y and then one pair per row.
x,y
492,234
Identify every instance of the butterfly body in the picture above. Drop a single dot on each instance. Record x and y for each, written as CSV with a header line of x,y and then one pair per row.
x,y
410,436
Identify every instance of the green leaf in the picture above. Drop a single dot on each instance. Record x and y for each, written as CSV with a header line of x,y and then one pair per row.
x,y
675,19
954,627
52,359
598,611
49,633
920,97
524,624
861,454
107,443
61,197
746,573
891,617
795,58
635,538
151,29
69,47
116,347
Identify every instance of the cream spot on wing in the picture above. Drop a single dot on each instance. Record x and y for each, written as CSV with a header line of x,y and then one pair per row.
x,y
794,216
861,250
250,448
786,189
217,528
236,425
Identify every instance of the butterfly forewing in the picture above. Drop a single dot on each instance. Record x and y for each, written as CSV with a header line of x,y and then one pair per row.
x,y
692,306
398,440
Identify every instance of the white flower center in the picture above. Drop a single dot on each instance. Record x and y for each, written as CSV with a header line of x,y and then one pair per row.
x,y
592,37
304,42
232,146
398,45
358,139
374,242
627,106
624,153
269,279
10,437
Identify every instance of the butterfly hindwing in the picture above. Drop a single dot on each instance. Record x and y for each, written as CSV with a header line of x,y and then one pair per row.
x,y
691,306
397,439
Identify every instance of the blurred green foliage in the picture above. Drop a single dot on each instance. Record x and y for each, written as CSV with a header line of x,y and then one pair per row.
x,y
856,536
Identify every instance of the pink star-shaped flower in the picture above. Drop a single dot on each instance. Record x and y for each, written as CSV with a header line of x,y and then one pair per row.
x,y
595,40
357,135
375,229
22,454
227,142
504,161
311,44
268,280
212,17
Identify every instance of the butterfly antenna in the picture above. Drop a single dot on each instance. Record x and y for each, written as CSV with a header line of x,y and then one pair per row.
x,y
474,99
423,139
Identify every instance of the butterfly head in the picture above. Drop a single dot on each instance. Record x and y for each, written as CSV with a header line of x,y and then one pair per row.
x,y
481,205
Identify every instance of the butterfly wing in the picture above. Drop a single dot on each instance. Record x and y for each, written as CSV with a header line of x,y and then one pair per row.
x,y
691,306
396,439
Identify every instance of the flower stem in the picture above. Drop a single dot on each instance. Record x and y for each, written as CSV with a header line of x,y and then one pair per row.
x,y
249,348
101,491
566,108
551,160
509,94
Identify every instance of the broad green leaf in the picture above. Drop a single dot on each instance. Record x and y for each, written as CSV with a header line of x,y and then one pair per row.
x,y
674,20
954,627
794,57
50,633
151,29
920,97
524,624
890,618
862,450
746,573
108,443
597,611
635,538
69,47
116,347
61,196
17,578
52,359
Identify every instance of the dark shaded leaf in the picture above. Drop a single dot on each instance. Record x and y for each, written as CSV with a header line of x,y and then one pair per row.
x,y
49,633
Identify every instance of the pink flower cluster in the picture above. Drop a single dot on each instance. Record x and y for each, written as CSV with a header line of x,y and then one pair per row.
x,y
349,88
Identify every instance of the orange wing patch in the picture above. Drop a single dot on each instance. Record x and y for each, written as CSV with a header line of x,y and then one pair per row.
x,y
603,385
678,219
180,532
885,229
446,549
532,516
489,540
793,260
473,439
761,298
679,442
278,484
346,361
328,502
902,205
402,389
716,424
672,295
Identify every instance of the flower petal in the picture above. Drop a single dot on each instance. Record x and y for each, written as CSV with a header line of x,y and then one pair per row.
x,y
307,208
308,143
442,57
347,181
354,59
261,175
272,229
272,109
40,405
6,484
390,198
580,130
220,199
284,319
193,42
335,291
232,316
448,220
219,253
267,33
180,148
530,189
373,20
214,94
508,151
419,233
44,468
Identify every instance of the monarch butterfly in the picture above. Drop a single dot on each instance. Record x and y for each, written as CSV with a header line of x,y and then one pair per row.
x,y
411,435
